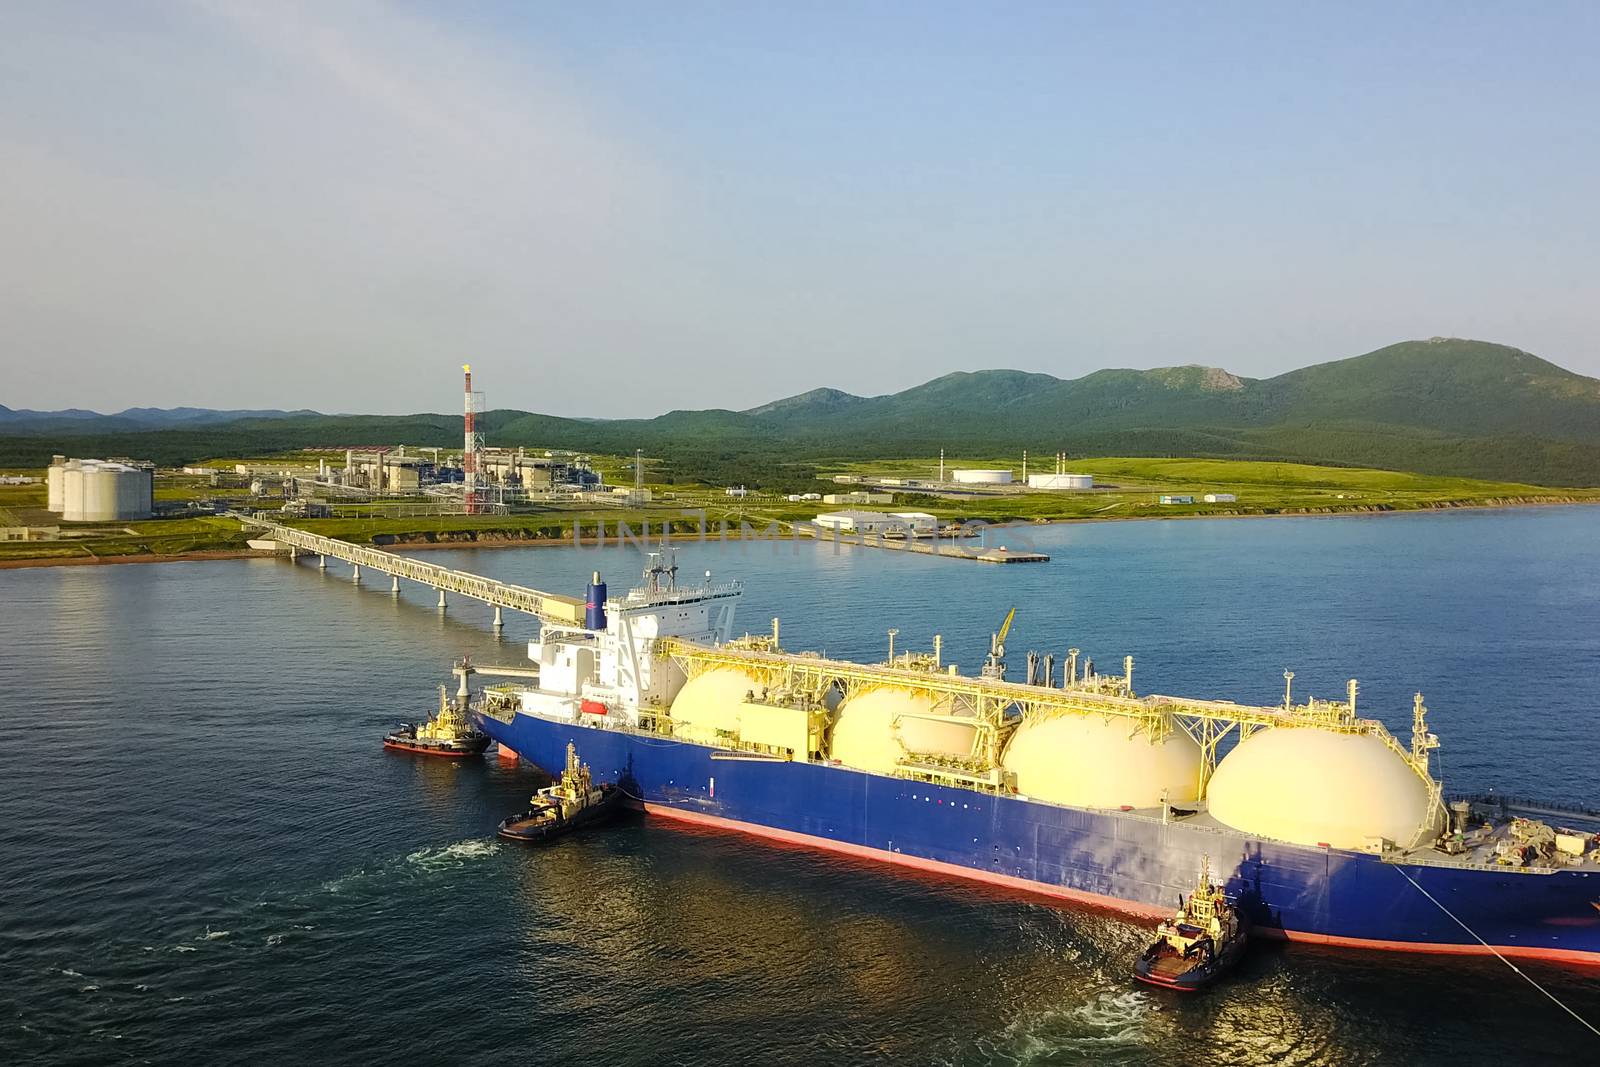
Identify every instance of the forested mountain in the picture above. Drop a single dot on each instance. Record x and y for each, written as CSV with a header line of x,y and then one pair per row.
x,y
1442,406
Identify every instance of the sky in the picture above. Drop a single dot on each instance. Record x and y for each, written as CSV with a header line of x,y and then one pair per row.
x,y
618,209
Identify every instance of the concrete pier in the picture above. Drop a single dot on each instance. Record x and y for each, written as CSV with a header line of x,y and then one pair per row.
x,y
394,584
355,574
322,563
498,621
441,600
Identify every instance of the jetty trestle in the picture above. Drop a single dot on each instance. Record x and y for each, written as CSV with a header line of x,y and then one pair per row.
x,y
551,607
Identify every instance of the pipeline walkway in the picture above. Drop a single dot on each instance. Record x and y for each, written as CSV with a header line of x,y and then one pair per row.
x,y
551,607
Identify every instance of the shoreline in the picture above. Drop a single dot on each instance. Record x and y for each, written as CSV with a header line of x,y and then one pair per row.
x,y
1360,510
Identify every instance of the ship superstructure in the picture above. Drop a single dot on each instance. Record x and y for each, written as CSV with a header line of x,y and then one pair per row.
x,y
1319,822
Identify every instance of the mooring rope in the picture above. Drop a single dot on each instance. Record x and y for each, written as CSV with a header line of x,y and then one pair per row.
x,y
1525,976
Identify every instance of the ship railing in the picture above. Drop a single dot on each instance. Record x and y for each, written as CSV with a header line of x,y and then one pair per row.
x,y
642,597
990,693
1421,858
1529,804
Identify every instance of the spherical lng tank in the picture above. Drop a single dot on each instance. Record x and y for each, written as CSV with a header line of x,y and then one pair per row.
x,y
876,727
1314,787
707,708
1094,761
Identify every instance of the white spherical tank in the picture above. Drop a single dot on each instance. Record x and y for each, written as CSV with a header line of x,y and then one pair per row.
x,y
1314,787
877,727
1092,761
706,710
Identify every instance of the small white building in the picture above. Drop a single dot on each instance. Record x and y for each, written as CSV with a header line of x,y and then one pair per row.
x,y
972,476
858,498
1060,481
738,492
879,523
1219,498
1178,498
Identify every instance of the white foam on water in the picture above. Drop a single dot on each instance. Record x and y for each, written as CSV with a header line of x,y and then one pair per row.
x,y
183,948
142,988
456,855
69,972
274,940
1100,1030
213,935
88,988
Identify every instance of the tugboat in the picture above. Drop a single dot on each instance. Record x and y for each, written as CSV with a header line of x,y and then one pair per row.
x,y
1194,947
571,802
448,733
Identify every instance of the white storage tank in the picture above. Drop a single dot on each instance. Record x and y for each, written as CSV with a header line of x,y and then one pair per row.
x,y
1319,787
1096,761
55,479
94,490
1060,481
970,476
875,728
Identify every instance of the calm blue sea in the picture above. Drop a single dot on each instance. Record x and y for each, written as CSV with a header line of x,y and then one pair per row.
x,y
206,856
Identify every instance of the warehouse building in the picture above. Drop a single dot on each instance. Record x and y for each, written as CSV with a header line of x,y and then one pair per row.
x,y
859,497
879,523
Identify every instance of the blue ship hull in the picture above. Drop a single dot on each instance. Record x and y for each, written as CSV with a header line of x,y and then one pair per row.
x,y
1127,862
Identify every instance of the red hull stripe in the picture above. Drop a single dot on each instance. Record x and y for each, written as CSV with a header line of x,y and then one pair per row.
x,y
429,751
1126,907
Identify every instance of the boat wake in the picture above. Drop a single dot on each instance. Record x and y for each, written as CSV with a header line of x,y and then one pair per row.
x,y
1110,1028
451,856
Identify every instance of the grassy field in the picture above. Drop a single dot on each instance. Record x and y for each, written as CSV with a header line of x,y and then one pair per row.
x,y
1128,489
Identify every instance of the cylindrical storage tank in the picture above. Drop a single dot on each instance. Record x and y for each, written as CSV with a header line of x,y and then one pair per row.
x,y
99,494
72,491
877,727
981,477
1094,761
1316,787
133,493
710,702
55,493
1060,481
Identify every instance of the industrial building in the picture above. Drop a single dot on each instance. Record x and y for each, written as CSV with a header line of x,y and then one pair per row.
x,y
99,490
857,498
1177,498
29,533
971,476
383,469
515,469
883,524
1219,498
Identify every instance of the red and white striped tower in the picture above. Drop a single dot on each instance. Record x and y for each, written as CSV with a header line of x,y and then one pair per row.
x,y
469,454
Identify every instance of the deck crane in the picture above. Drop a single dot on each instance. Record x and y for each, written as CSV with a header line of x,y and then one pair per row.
x,y
994,665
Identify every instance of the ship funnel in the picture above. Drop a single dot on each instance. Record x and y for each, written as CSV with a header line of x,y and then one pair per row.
x,y
594,604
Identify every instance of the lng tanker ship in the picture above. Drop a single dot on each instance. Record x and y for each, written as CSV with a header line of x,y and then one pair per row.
x,y
1321,824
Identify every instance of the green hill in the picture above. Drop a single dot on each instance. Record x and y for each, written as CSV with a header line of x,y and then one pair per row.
x,y
1443,406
